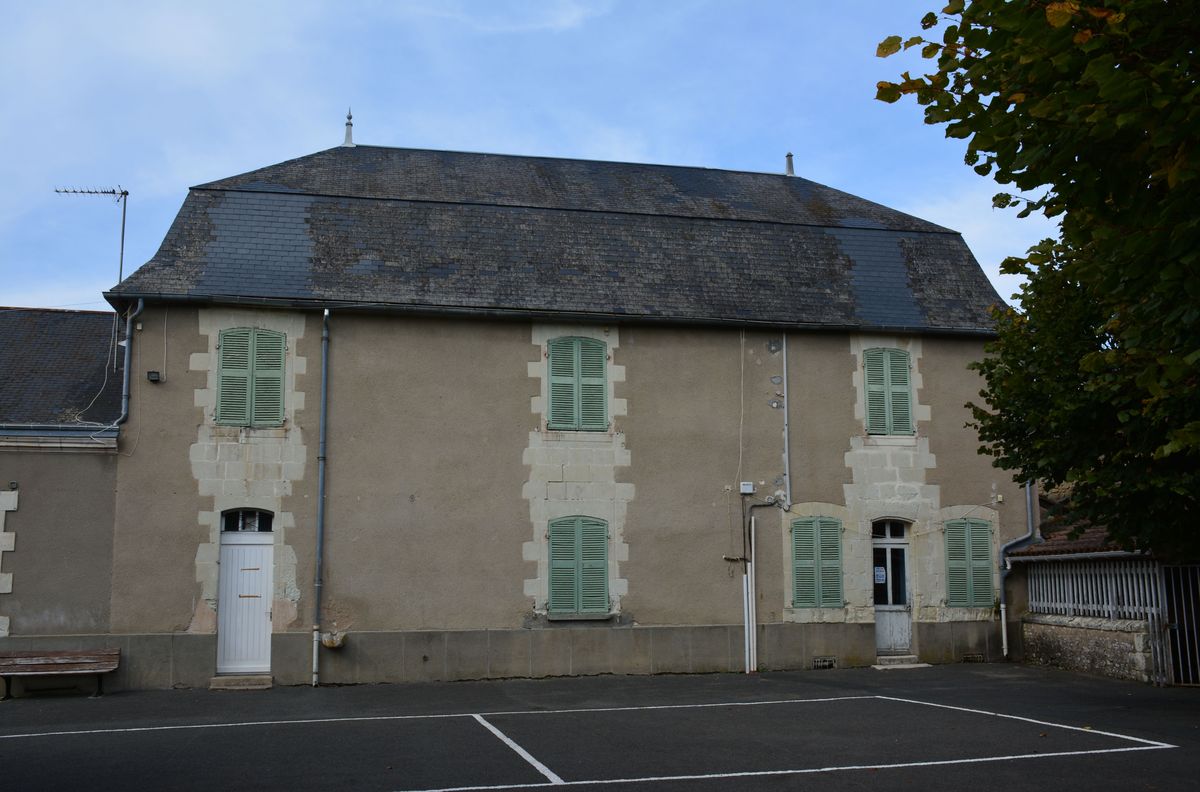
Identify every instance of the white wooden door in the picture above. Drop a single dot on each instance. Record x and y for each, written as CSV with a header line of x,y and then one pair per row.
x,y
893,613
244,603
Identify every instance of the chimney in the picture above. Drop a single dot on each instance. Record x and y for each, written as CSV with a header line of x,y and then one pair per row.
x,y
350,131
790,170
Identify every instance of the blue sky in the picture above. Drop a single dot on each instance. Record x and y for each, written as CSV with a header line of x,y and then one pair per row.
x,y
158,96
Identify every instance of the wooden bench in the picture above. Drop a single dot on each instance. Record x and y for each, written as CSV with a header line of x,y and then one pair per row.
x,y
53,663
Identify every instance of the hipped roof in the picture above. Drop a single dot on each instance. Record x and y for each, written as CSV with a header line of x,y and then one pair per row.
x,y
416,230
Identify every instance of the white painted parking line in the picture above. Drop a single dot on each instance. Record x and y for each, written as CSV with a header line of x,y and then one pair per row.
x,y
373,718
799,771
1084,729
541,768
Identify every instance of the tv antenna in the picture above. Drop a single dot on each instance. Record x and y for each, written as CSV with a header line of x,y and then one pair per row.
x,y
122,196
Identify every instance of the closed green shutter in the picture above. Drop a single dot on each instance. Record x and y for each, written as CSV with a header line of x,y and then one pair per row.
x,y
969,564
981,564
889,391
578,566
563,590
564,384
829,543
804,563
593,566
233,376
899,393
593,388
267,395
578,388
817,563
876,380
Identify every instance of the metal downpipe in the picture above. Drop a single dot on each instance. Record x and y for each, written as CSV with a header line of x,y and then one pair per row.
x,y
320,555
787,437
1006,565
141,306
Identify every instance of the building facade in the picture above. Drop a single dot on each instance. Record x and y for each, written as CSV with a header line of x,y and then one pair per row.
x,y
497,415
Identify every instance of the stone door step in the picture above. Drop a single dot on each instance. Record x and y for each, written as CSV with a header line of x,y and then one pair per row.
x,y
241,682
890,662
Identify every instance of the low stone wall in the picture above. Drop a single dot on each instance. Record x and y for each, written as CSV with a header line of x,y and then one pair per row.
x,y
1118,648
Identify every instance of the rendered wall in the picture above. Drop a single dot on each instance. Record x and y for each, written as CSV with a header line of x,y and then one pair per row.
x,y
56,545
442,473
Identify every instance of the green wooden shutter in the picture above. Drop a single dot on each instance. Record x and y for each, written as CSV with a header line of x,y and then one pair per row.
x,y
564,384
593,566
593,385
564,593
899,393
233,376
958,579
876,382
829,547
804,563
980,552
267,381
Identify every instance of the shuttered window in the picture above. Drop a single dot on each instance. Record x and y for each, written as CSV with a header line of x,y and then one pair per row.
x,y
889,393
578,566
578,385
969,564
250,377
817,563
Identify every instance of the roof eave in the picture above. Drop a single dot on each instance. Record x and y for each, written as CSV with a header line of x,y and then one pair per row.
x,y
121,299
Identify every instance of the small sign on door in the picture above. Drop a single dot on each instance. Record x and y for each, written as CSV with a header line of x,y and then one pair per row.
x,y
881,575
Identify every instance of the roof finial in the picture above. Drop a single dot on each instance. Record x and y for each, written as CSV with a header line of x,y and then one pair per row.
x,y
349,129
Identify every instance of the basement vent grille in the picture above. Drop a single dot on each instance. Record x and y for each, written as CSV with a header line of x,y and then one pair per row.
x,y
820,663
973,658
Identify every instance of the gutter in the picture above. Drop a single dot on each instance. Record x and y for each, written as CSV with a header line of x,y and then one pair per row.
x,y
1074,556
117,299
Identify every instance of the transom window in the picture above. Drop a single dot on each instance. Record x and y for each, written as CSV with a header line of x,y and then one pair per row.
x,y
250,377
888,529
578,388
247,520
889,394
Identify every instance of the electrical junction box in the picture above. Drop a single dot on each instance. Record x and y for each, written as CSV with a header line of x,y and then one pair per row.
x,y
747,488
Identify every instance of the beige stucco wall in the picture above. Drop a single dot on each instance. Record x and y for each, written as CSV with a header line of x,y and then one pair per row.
x,y
435,469
694,395
428,420
56,573
164,510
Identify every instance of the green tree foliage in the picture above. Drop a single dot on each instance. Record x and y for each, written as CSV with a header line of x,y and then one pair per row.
x,y
1091,111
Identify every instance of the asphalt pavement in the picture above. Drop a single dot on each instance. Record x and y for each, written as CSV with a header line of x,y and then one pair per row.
x,y
942,728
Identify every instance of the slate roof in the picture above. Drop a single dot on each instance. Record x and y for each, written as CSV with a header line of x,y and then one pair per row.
x,y
406,229
54,363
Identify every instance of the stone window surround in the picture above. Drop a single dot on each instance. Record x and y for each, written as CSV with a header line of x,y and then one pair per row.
x,y
243,467
920,412
574,472
8,543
